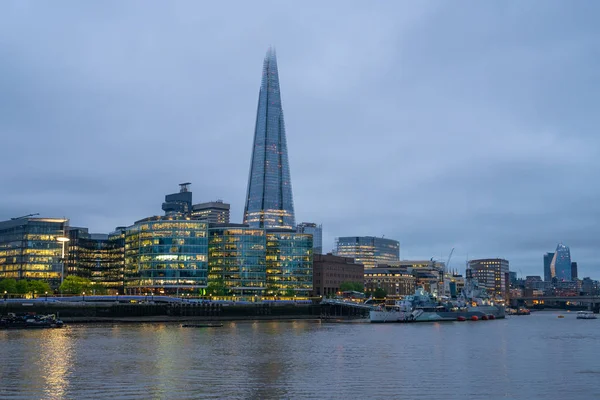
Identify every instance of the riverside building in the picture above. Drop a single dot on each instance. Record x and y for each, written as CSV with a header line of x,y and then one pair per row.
x,y
395,281
289,263
492,274
166,255
330,271
97,257
33,249
237,258
368,250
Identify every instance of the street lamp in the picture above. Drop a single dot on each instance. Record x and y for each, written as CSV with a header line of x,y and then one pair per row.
x,y
83,296
62,240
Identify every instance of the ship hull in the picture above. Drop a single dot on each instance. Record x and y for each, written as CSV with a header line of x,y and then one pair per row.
x,y
436,316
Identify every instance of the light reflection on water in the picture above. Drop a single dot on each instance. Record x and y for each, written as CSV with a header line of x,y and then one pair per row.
x,y
525,357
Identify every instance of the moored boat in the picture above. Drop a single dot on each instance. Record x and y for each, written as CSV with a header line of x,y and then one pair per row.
x,y
586,315
30,321
472,304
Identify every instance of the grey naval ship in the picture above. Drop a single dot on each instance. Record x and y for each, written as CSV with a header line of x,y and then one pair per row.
x,y
473,303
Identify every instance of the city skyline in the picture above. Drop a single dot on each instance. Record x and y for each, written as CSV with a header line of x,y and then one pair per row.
x,y
479,144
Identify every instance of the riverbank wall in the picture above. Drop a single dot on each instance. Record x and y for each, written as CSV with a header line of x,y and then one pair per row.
x,y
82,312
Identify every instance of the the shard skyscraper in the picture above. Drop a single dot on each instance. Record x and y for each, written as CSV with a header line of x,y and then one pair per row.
x,y
269,202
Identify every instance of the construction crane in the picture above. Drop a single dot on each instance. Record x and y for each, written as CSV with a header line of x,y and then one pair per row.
x,y
449,258
26,216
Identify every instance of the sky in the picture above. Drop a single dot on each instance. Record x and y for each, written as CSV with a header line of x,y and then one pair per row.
x,y
469,125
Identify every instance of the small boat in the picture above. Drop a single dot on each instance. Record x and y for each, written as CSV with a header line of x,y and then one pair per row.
x,y
586,315
30,321
561,316
201,325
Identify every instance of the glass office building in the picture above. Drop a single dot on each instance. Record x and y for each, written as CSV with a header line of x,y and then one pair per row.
x,y
166,255
548,272
29,249
561,263
317,233
214,212
289,263
97,257
237,259
269,202
368,250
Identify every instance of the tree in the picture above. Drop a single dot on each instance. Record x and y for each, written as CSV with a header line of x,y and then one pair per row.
x,y
77,285
379,293
8,285
351,287
22,287
217,288
38,287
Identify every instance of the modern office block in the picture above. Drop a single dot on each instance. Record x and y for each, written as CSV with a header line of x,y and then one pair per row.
x,y
33,249
368,250
214,212
166,255
316,231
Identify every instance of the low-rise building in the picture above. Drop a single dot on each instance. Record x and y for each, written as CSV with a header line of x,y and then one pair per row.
x,y
396,281
330,271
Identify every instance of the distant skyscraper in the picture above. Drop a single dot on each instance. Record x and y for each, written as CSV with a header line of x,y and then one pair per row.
x,y
573,270
316,231
548,273
561,263
368,250
215,212
269,202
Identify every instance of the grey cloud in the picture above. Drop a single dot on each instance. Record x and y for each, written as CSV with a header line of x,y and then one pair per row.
x,y
470,126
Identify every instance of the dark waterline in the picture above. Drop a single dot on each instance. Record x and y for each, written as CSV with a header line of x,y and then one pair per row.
x,y
526,357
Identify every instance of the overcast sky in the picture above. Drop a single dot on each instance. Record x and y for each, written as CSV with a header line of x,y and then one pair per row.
x,y
440,124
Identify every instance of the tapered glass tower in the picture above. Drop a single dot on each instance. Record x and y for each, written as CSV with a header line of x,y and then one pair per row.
x,y
269,202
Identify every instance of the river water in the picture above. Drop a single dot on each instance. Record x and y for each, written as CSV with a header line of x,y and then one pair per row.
x,y
526,357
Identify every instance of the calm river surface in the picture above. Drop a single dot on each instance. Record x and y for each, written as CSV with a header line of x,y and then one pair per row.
x,y
525,357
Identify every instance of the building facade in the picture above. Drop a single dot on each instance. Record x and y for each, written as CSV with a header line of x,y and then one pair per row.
x,y
330,271
269,203
561,263
548,272
97,257
368,250
317,233
166,255
237,259
289,262
31,248
396,281
179,203
573,271
214,212
491,274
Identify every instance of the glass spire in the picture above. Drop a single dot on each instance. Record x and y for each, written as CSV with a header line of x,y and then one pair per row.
x,y
269,202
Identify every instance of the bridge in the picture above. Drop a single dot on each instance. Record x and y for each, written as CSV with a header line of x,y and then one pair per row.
x,y
333,308
591,302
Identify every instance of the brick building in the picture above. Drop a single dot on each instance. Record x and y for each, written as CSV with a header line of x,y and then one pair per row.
x,y
330,271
